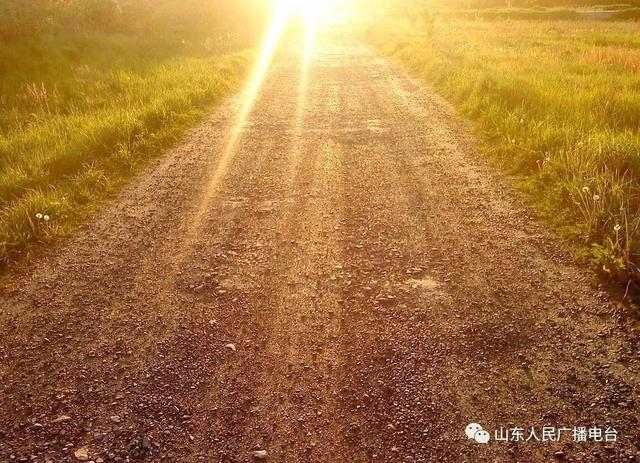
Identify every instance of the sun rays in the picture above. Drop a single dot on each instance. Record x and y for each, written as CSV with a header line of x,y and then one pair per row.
x,y
284,11
310,13
311,25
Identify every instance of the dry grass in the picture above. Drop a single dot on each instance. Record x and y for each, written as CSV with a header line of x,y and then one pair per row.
x,y
558,103
623,59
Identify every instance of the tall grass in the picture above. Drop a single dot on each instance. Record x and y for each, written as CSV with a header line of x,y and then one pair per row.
x,y
411,6
558,103
82,108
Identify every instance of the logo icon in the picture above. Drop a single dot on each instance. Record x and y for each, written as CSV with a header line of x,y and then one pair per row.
x,y
474,431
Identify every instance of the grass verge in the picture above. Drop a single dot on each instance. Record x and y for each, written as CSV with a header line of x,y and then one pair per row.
x,y
557,103
79,117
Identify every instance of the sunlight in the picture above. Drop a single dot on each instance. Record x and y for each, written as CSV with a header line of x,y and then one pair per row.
x,y
303,91
305,8
312,12
269,47
310,35
250,95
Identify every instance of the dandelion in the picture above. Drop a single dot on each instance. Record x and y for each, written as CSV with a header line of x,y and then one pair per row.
x,y
617,228
513,141
585,189
46,218
522,120
39,216
596,198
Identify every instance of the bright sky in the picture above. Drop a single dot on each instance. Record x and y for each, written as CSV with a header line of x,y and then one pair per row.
x,y
306,8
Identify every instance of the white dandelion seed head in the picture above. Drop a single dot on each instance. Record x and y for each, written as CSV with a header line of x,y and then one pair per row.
x,y
596,197
39,216
585,189
617,227
46,218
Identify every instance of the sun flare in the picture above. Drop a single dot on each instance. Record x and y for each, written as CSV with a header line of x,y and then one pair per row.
x,y
309,9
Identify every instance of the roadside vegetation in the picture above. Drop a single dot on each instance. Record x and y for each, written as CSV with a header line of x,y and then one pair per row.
x,y
91,89
556,102
600,12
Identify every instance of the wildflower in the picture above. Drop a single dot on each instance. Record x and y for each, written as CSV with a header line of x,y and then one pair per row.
x,y
39,216
585,189
617,228
46,218
596,198
513,141
522,120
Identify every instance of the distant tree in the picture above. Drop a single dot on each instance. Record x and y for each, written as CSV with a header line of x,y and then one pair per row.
x,y
98,14
23,18
178,21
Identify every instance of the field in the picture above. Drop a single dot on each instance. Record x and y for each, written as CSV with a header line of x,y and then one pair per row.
x,y
88,92
557,104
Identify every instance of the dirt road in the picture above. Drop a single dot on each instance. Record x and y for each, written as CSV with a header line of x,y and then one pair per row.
x,y
350,283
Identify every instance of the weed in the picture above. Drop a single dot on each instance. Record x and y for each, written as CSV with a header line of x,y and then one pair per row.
x,y
82,109
558,105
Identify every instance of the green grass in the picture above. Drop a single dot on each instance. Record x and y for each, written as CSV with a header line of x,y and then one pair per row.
x,y
558,104
80,114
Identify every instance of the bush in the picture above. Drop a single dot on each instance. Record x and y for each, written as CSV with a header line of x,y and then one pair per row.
x,y
23,18
628,14
157,20
104,15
